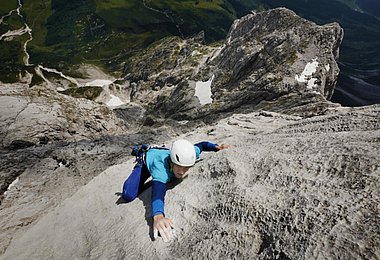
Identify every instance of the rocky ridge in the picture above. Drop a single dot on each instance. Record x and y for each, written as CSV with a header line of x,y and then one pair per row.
x,y
267,56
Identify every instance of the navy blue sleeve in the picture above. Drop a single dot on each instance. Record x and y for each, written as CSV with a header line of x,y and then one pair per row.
x,y
207,147
158,196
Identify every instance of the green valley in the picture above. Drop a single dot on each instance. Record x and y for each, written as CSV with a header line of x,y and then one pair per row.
x,y
105,33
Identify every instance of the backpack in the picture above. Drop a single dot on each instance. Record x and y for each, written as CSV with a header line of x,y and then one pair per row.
x,y
140,150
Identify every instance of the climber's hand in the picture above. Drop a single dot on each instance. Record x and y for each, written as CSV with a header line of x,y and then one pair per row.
x,y
222,146
164,226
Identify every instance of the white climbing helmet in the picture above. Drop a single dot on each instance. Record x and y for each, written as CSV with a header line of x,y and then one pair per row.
x,y
182,153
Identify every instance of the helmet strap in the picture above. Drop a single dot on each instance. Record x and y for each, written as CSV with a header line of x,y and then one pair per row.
x,y
170,164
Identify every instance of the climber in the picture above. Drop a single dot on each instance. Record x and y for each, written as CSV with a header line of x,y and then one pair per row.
x,y
164,165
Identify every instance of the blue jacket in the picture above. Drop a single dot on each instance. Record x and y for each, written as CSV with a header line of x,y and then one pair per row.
x,y
158,164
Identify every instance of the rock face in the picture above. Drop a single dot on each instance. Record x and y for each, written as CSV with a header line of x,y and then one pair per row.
x,y
40,116
47,175
290,188
268,56
301,181
276,54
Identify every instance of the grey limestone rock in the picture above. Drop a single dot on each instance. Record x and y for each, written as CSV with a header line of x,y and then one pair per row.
x,y
301,180
268,56
38,115
289,188
34,117
273,54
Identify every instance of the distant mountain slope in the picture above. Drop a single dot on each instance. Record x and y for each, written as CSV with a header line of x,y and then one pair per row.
x,y
365,6
370,6
106,33
352,4
101,30
70,31
360,50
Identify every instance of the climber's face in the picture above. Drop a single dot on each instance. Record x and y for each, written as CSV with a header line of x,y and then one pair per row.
x,y
180,171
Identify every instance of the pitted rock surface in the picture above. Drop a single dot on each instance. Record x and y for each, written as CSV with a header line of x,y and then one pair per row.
x,y
289,188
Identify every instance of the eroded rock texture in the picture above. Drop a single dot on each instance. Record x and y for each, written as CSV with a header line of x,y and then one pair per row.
x,y
300,182
289,188
262,65
269,56
40,115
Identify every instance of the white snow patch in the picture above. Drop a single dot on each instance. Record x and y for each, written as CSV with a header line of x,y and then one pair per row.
x,y
311,83
40,73
27,56
72,80
203,91
99,83
305,77
9,35
327,67
115,101
12,185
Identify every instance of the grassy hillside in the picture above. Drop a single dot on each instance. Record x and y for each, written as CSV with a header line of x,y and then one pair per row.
x,y
107,32
11,52
6,6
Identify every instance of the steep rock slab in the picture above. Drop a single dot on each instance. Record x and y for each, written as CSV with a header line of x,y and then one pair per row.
x,y
290,188
83,226
47,175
